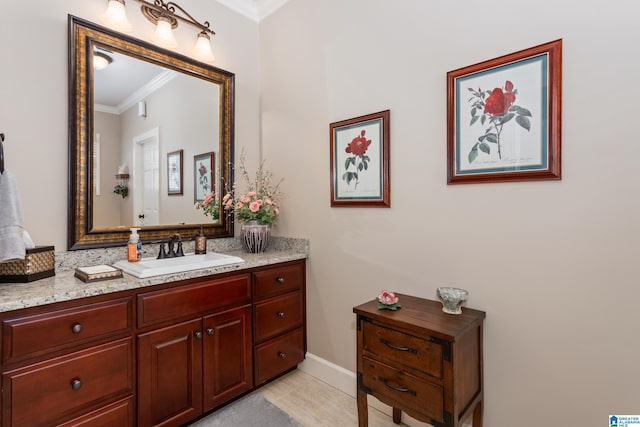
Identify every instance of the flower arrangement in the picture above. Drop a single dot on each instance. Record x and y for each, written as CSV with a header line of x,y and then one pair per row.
x,y
256,201
388,300
210,206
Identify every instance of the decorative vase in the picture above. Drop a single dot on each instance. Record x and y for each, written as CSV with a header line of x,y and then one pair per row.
x,y
452,299
255,236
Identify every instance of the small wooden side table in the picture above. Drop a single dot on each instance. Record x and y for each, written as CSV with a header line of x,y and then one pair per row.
x,y
421,360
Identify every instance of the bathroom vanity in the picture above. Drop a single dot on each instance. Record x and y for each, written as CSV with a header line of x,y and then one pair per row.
x,y
155,352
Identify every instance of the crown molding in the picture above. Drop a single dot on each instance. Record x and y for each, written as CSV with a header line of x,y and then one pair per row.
x,y
256,10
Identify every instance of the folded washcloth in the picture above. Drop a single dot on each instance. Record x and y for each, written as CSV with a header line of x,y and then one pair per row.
x,y
11,231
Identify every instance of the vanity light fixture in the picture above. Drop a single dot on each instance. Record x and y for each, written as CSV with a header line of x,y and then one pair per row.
x,y
165,17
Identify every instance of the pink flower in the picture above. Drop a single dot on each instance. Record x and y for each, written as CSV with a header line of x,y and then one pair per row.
x,y
239,205
268,201
226,197
259,202
387,298
251,194
228,204
254,206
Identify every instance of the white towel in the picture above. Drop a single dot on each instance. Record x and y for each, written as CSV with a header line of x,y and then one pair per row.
x,y
11,231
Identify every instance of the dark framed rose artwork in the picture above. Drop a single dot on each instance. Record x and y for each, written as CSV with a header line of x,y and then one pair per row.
x,y
174,173
203,175
504,118
360,161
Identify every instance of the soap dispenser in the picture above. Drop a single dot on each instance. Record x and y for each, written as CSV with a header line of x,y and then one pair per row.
x,y
134,248
201,243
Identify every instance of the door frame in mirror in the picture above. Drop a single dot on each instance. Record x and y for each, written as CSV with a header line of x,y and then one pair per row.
x,y
81,233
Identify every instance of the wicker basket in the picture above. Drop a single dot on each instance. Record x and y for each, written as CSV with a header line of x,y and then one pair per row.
x,y
39,262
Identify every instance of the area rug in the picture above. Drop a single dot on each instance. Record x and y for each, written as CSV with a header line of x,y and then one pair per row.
x,y
250,411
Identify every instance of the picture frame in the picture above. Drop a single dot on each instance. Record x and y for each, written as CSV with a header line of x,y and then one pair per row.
x,y
360,161
203,183
174,173
504,118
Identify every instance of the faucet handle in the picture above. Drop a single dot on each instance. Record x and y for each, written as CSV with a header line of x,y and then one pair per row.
x,y
162,253
179,252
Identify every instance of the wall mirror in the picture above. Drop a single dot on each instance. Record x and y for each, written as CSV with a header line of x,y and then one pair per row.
x,y
127,121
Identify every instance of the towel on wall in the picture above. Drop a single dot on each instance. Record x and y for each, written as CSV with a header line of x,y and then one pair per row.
x,y
12,233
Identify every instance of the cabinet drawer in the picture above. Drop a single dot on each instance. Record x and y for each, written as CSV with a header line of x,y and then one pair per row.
x,y
42,393
414,352
279,355
278,280
189,300
277,315
54,330
401,389
118,414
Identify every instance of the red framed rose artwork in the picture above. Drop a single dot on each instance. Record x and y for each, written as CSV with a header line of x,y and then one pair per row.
x,y
504,118
360,161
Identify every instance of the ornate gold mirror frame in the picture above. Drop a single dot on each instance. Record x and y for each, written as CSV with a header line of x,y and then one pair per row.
x,y
83,37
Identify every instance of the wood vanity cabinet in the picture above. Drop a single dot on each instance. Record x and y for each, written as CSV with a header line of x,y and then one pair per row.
x,y
188,368
69,365
420,360
156,356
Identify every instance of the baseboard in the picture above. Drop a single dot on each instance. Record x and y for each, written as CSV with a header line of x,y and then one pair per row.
x,y
345,381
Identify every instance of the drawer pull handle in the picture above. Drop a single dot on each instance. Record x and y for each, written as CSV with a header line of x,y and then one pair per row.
x,y
282,355
210,331
400,389
76,384
281,314
198,335
280,280
388,344
77,328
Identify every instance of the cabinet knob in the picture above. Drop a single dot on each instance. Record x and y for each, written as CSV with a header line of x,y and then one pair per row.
x,y
77,328
198,334
76,384
282,355
281,314
280,280
210,331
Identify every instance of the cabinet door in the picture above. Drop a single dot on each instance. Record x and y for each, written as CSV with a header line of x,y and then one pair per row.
x,y
170,375
227,360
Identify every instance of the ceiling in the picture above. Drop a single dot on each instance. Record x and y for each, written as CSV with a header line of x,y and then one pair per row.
x,y
254,9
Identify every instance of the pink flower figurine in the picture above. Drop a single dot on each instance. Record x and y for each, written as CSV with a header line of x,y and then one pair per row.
x,y
387,298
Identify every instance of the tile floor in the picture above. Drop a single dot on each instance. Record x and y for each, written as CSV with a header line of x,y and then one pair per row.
x,y
314,403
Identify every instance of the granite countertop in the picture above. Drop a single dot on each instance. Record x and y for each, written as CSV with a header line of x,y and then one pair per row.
x,y
64,286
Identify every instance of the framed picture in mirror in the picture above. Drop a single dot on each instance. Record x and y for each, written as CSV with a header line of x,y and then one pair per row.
x,y
203,175
174,173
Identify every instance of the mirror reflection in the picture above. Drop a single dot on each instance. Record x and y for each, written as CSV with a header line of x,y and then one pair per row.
x,y
150,134
142,113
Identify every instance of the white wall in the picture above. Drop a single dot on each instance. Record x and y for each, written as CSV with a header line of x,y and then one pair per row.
x,y
33,94
552,263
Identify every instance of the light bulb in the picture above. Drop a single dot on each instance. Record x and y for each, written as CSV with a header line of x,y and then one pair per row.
x,y
164,34
202,50
115,17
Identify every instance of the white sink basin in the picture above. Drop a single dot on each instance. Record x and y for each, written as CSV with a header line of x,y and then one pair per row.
x,y
149,267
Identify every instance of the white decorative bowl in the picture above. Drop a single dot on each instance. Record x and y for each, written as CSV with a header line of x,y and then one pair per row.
x,y
451,299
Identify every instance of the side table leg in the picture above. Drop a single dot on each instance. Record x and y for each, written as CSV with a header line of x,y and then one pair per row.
x,y
397,416
363,414
477,415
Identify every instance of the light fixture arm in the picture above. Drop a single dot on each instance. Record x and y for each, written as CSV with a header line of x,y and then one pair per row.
x,y
159,9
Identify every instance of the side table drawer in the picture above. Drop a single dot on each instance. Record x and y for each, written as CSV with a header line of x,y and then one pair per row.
x,y
401,389
41,333
277,315
413,352
43,393
278,356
